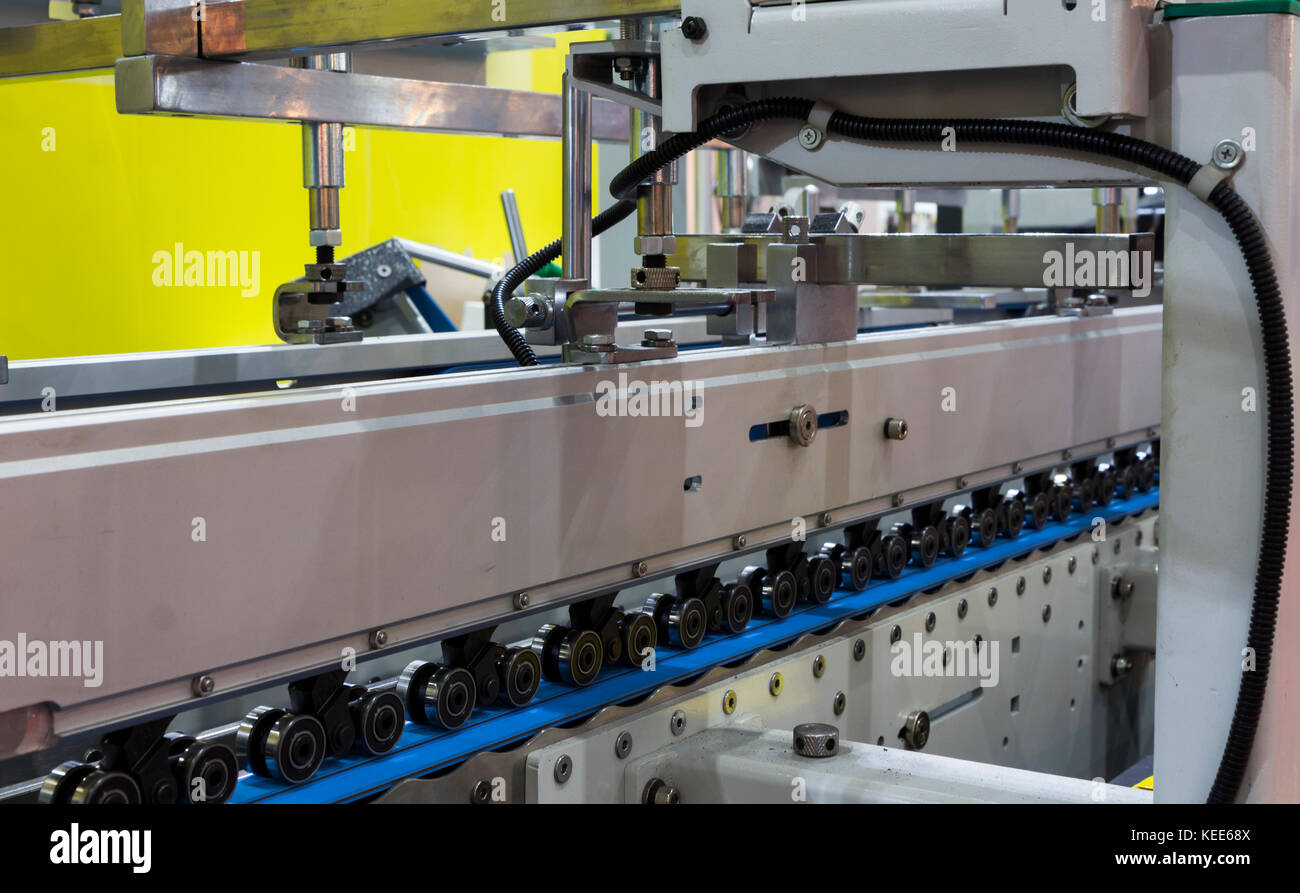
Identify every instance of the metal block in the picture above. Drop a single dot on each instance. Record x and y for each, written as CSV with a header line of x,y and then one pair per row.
x,y
172,85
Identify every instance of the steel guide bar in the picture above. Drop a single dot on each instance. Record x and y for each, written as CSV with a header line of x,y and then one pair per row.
x,y
423,749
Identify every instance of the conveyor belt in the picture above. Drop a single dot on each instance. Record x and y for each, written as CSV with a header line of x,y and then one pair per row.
x,y
424,750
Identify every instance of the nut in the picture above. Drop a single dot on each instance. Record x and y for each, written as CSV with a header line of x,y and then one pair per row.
x,y
816,740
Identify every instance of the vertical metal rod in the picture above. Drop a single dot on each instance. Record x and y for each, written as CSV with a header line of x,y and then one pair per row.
x,y
1110,209
1010,211
905,203
576,150
514,225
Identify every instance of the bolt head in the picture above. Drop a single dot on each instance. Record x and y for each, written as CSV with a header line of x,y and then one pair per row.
x,y
1228,154
739,541
522,600
640,569
203,686
379,638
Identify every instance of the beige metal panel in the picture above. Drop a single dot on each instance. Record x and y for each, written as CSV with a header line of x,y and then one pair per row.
x,y
324,523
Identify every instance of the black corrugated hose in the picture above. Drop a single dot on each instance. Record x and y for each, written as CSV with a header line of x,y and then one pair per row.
x,y
1259,263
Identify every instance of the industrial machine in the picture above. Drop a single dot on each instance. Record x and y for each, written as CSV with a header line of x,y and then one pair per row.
x,y
791,509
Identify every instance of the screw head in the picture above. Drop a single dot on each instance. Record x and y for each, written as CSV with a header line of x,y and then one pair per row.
x,y
962,609
993,596
1047,613
1096,554
379,638
1072,564
895,634
738,542
839,703
810,137
826,519
563,768
1115,548
775,684
896,429
383,271
898,500
623,745
962,483
1047,575
819,667
803,424
678,722
930,622
1020,586
729,701
482,791
859,649
640,569
203,686
694,28
1018,467
521,601
1228,154
1067,455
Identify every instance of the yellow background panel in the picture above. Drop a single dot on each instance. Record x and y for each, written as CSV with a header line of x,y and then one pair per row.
x,y
92,196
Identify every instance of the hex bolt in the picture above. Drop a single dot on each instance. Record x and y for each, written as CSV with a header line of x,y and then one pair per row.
x,y
482,792
658,336
896,429
819,667
993,596
1047,613
775,684
659,793
1047,575
640,569
729,701
930,621
859,649
563,768
678,722
962,608
1228,155
895,634
694,28
379,638
202,686
521,601
623,745
596,340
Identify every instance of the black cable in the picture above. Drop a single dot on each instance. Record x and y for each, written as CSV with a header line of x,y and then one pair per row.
x,y
1277,365
624,187
530,266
